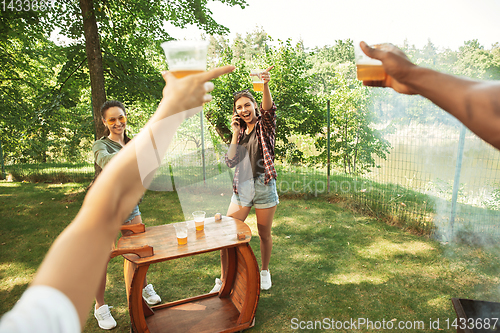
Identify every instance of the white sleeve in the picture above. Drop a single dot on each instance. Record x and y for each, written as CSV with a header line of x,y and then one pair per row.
x,y
41,309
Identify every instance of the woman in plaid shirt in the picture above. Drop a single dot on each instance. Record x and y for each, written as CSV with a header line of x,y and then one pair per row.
x,y
252,153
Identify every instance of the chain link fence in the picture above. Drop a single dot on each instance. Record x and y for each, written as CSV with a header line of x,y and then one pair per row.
x,y
439,179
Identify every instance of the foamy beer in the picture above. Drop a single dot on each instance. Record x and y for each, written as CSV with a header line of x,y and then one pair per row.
x,y
181,233
186,57
368,69
199,220
182,73
257,81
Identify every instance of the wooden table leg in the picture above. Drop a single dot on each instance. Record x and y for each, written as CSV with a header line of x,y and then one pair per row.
x,y
252,292
241,282
138,308
229,256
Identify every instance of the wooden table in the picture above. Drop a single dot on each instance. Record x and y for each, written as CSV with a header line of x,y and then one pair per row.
x,y
229,310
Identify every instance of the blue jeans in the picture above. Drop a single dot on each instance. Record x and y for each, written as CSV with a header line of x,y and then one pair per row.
x,y
254,192
132,215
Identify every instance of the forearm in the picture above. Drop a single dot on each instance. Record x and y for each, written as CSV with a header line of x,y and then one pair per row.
x,y
83,248
231,153
267,99
77,259
475,103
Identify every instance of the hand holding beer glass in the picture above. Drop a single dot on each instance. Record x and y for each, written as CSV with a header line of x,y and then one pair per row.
x,y
368,69
257,80
260,77
186,57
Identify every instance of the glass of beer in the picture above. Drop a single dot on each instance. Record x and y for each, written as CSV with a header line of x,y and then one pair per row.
x,y
181,232
257,81
185,57
368,69
199,220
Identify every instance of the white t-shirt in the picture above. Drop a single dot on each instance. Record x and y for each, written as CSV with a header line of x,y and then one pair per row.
x,y
41,309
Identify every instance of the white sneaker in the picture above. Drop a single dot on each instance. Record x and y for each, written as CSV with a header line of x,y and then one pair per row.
x,y
104,317
218,285
150,295
265,280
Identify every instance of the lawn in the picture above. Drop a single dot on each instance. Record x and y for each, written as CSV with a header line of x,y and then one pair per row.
x,y
328,262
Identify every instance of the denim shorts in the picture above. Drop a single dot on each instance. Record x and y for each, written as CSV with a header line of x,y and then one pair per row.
x,y
132,215
254,192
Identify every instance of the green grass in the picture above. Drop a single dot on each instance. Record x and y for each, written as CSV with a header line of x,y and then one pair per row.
x,y
327,261
51,172
397,205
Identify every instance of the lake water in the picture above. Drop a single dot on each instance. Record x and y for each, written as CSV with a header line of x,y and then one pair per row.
x,y
416,162
421,160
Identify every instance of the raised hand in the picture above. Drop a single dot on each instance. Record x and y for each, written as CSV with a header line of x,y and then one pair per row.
x,y
265,75
396,64
235,123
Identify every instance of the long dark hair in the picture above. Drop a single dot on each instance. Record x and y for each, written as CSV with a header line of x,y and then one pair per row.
x,y
105,107
245,93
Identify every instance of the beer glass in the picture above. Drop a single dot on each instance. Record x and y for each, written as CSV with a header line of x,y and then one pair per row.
x,y
257,81
185,57
181,233
367,69
199,220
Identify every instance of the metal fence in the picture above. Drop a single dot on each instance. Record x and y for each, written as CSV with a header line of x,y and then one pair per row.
x,y
434,175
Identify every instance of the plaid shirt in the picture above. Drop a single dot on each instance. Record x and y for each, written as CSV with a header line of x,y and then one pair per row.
x,y
266,133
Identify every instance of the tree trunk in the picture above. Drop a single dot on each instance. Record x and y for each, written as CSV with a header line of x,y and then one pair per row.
x,y
2,174
94,60
224,132
355,157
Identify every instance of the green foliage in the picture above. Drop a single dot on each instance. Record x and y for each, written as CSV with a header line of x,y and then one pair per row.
x,y
32,92
354,143
475,62
471,60
219,111
45,95
253,46
44,88
324,62
299,111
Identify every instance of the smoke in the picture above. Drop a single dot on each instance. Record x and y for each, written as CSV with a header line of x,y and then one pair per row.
x,y
423,158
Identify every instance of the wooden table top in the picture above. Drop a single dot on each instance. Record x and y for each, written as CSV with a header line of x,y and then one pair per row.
x,y
215,236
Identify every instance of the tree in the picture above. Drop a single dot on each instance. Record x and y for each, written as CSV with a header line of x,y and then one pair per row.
x,y
476,62
134,24
30,92
94,61
252,46
354,143
298,110
324,61
219,111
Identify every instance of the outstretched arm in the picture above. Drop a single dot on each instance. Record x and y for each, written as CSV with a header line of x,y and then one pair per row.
x,y
77,259
475,103
267,98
